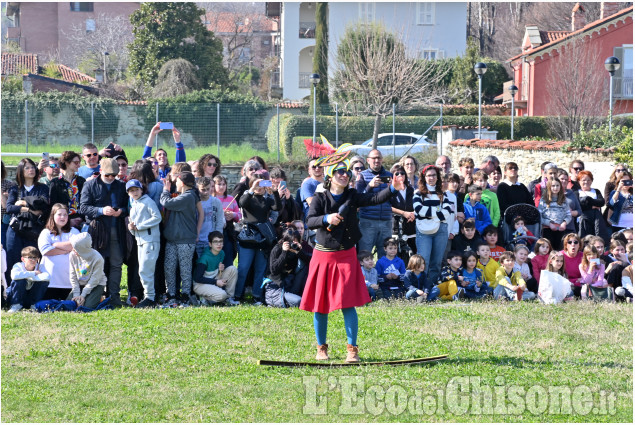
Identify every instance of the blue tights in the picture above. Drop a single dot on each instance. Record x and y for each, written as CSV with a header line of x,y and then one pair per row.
x,y
320,323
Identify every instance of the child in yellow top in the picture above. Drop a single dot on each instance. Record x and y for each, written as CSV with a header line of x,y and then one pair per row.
x,y
512,283
488,267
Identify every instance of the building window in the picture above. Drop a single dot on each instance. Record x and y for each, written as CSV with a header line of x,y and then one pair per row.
x,y
367,12
431,54
425,13
90,25
77,6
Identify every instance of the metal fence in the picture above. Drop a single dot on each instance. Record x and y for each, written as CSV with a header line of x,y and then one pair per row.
x,y
211,124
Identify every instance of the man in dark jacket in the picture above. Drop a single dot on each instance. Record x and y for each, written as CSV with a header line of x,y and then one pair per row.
x,y
105,198
376,220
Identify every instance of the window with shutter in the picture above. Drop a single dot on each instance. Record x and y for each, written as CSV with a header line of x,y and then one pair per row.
x,y
425,13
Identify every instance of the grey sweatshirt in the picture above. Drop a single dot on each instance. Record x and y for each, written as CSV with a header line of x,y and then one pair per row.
x,y
87,268
181,224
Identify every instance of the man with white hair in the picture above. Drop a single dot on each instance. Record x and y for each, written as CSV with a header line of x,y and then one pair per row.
x,y
444,163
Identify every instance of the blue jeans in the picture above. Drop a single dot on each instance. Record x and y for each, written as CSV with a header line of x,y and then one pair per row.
x,y
432,295
432,249
18,294
229,249
374,232
246,257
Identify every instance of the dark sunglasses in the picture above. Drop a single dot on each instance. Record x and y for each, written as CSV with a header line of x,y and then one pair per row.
x,y
573,242
91,154
212,164
513,168
400,173
358,168
110,175
342,171
577,168
253,169
53,165
316,167
620,170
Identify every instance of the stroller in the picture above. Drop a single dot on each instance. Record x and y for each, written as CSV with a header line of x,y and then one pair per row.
x,y
532,222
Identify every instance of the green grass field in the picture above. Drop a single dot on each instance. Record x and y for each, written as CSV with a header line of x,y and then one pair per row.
x,y
232,154
199,365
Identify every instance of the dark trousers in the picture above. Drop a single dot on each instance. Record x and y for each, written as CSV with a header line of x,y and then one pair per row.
x,y
229,248
18,294
554,236
56,293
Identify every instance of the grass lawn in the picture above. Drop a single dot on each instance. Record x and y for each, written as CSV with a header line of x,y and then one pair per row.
x,y
199,365
232,154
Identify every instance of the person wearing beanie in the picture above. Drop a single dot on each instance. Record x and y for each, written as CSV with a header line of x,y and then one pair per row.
x,y
88,280
181,233
104,203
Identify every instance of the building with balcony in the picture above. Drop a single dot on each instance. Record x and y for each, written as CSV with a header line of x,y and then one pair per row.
x,y
429,29
535,68
42,28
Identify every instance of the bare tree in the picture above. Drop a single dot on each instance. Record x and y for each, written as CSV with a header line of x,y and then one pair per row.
x,y
577,89
112,34
372,70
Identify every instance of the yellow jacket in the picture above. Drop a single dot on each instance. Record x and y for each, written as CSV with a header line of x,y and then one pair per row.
x,y
489,271
516,278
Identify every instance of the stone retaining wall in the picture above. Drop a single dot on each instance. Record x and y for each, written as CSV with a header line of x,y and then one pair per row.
x,y
530,154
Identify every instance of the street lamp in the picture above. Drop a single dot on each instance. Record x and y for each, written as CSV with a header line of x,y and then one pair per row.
x,y
105,68
315,80
611,64
513,90
480,68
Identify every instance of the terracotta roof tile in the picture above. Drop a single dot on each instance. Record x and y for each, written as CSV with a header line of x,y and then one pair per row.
x,y
549,36
543,145
71,75
227,22
19,63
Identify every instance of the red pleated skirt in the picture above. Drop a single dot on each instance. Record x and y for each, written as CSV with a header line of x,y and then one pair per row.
x,y
335,281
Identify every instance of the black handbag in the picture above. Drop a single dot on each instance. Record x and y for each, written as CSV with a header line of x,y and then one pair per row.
x,y
249,237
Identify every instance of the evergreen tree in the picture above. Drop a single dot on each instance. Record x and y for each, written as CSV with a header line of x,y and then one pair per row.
x,y
320,56
164,31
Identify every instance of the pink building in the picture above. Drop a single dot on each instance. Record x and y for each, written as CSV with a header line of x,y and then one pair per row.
x,y
40,27
535,68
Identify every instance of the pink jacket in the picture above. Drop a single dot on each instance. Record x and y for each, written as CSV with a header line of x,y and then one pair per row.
x,y
594,278
538,264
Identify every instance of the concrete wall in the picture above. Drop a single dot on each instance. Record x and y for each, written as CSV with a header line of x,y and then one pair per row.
x,y
528,158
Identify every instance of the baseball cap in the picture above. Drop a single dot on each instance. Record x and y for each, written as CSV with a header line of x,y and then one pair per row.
x,y
133,183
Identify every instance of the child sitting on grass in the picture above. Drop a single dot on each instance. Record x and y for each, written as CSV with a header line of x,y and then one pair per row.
x,y
473,284
367,262
521,253
29,281
488,268
474,209
86,266
390,271
417,283
214,282
451,277
490,234
539,262
594,284
467,239
514,286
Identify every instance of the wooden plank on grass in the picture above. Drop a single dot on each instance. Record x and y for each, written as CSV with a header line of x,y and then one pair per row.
x,y
381,363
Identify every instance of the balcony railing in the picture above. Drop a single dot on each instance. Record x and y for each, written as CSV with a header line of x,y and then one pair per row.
x,y
304,80
623,87
307,29
275,79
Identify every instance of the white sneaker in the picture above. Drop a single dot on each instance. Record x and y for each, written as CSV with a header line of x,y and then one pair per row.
x,y
620,292
15,308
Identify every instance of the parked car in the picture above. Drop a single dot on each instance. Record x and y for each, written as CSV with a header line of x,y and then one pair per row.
x,y
403,143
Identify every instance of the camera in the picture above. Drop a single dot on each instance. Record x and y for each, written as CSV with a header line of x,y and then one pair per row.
x,y
385,179
296,246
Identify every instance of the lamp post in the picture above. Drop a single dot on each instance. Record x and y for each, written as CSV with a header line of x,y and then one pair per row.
x,y
315,80
513,90
480,68
611,64
105,69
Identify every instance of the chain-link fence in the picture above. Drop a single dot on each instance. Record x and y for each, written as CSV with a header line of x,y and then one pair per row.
x,y
209,125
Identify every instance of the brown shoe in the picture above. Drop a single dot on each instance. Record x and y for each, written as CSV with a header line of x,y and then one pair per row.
x,y
352,356
322,352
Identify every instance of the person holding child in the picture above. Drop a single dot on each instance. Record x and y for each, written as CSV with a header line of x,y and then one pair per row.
x,y
214,282
29,280
335,280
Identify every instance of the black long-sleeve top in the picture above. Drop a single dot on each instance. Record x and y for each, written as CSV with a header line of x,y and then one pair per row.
x,y
346,234
282,263
256,208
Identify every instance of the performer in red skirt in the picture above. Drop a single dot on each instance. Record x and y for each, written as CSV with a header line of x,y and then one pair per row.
x,y
335,280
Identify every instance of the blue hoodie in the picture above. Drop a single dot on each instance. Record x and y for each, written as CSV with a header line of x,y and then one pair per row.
x,y
480,214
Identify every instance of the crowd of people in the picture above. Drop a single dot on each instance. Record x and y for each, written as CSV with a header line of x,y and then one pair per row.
x,y
422,232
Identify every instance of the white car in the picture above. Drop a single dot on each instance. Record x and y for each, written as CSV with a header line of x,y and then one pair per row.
x,y
403,143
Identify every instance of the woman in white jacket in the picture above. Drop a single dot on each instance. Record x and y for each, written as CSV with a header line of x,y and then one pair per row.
x,y
144,225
